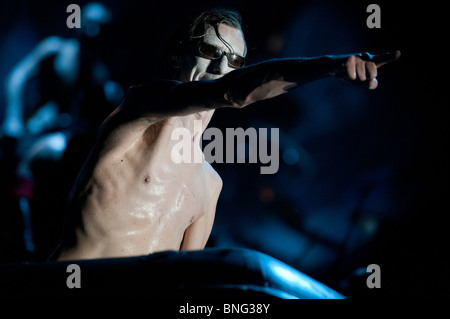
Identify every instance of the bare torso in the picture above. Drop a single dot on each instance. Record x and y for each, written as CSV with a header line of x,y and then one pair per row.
x,y
131,198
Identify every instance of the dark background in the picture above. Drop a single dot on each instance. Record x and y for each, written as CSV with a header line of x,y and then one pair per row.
x,y
363,175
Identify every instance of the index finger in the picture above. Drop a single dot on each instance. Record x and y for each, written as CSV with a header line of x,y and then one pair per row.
x,y
382,59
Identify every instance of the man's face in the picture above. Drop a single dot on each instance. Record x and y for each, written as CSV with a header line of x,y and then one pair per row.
x,y
196,68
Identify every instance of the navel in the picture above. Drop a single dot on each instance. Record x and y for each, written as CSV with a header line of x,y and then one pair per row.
x,y
147,179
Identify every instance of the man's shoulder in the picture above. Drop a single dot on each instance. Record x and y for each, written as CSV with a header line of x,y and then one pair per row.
x,y
215,179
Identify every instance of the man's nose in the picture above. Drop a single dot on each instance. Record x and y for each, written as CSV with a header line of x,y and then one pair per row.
x,y
220,66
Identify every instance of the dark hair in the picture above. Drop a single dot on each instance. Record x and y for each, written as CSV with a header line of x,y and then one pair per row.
x,y
195,28
213,18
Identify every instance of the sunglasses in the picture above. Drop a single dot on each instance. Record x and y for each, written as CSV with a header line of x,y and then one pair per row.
x,y
212,52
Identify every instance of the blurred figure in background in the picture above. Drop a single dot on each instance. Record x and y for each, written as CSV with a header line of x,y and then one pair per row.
x,y
56,95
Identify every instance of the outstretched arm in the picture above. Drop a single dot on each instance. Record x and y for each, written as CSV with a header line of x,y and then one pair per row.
x,y
272,78
256,82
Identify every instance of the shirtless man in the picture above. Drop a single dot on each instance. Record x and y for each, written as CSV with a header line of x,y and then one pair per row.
x,y
130,197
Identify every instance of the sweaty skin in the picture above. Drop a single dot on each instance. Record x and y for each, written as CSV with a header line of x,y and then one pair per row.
x,y
135,200
130,197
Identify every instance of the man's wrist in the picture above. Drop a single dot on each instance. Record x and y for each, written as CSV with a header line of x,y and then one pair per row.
x,y
338,67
